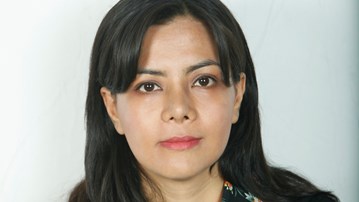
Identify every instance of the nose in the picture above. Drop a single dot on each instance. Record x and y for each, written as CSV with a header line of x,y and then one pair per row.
x,y
178,106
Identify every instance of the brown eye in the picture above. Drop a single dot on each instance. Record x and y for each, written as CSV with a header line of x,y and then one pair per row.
x,y
204,81
148,87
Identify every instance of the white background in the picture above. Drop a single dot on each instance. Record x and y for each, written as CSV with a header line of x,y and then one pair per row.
x,y
305,54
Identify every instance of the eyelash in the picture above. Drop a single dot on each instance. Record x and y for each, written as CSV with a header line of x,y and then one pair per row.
x,y
211,81
142,87
155,87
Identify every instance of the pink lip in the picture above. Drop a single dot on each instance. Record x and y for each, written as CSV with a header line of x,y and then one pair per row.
x,y
180,143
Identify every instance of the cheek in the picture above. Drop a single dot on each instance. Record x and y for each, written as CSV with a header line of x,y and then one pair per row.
x,y
217,107
216,115
138,123
136,134
135,113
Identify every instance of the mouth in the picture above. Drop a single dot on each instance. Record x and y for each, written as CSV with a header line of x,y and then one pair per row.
x,y
180,143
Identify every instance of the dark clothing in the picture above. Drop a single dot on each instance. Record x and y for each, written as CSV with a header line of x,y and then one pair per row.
x,y
235,194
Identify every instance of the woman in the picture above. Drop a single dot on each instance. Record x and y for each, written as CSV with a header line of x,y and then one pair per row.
x,y
172,110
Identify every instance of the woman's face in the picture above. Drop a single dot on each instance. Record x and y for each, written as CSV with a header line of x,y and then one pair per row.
x,y
177,113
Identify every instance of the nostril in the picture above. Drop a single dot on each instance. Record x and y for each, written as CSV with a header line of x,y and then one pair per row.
x,y
174,118
185,117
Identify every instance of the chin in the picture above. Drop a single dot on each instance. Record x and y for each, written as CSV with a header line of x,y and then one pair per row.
x,y
185,173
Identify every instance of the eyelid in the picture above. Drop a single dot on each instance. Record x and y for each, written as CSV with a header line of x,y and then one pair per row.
x,y
142,84
211,77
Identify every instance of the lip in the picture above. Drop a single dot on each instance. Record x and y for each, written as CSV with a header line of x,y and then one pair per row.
x,y
180,143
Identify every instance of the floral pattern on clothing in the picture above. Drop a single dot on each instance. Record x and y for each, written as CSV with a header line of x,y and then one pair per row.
x,y
234,194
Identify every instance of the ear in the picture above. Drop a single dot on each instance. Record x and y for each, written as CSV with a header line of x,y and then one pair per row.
x,y
110,103
240,88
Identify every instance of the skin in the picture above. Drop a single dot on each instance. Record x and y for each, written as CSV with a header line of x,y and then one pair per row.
x,y
178,92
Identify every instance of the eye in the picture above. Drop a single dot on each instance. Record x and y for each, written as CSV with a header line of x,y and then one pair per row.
x,y
148,87
204,81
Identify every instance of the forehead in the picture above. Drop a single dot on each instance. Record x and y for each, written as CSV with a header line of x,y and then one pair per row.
x,y
180,25
183,37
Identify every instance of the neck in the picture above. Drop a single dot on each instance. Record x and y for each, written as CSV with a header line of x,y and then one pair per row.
x,y
204,187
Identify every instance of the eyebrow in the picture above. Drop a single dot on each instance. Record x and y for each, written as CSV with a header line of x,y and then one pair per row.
x,y
190,69
201,64
151,72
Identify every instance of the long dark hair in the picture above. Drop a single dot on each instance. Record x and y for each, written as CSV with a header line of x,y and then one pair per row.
x,y
112,172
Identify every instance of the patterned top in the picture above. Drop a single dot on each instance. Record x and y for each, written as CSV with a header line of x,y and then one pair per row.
x,y
234,194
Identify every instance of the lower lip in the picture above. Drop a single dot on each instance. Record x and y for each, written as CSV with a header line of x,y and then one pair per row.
x,y
180,144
